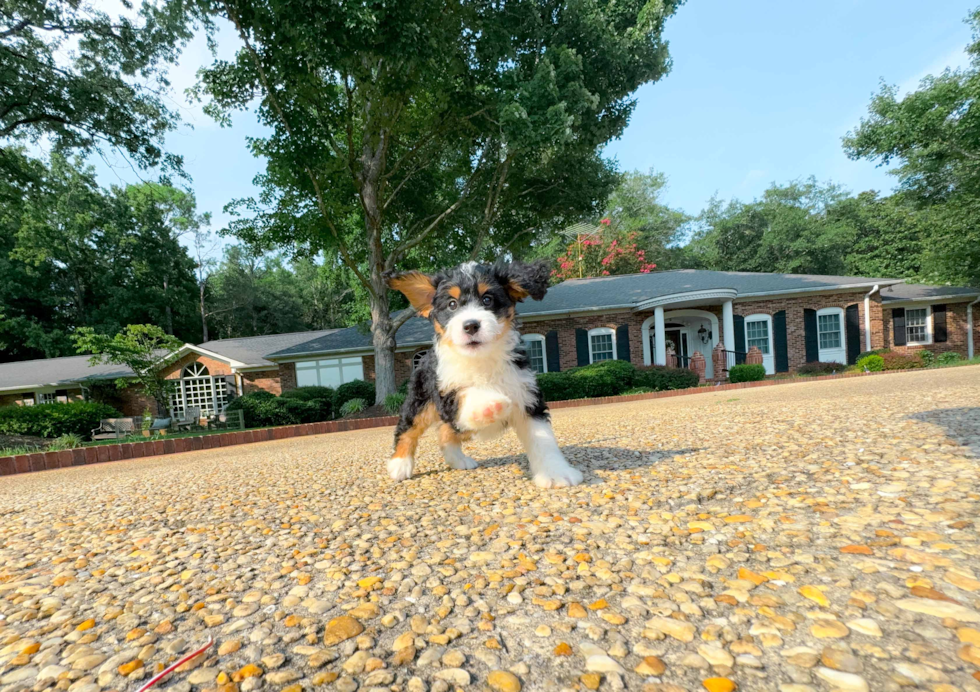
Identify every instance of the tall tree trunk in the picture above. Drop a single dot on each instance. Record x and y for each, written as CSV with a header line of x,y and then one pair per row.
x,y
166,305
204,317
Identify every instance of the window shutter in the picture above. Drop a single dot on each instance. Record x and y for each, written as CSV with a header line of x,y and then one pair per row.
x,y
939,323
552,352
852,333
779,341
810,339
898,325
738,342
623,342
582,346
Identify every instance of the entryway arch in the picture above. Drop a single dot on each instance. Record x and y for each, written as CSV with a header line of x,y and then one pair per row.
x,y
687,321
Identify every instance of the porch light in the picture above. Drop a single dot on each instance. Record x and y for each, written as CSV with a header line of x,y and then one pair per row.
x,y
704,335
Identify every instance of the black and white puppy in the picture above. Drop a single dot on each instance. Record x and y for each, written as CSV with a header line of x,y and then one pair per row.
x,y
477,381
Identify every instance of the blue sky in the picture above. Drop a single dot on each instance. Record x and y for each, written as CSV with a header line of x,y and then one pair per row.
x,y
760,91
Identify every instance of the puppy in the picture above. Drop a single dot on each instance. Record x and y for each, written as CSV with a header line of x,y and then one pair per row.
x,y
477,381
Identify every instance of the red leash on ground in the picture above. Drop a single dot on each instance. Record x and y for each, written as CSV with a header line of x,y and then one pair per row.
x,y
157,678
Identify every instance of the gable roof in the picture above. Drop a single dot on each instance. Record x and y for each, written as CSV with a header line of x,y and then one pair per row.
x,y
417,331
53,372
252,350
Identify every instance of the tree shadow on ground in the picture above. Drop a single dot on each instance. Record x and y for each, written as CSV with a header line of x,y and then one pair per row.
x,y
962,425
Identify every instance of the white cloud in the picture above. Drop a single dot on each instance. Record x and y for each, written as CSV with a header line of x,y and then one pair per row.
x,y
954,59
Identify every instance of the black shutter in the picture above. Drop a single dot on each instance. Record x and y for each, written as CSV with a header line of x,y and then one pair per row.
x,y
779,341
939,323
898,325
852,333
810,342
582,346
623,342
738,339
552,352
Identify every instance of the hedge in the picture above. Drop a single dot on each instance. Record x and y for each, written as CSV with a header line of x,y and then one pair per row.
x,y
262,409
322,396
901,361
819,368
746,373
54,420
610,378
872,363
356,389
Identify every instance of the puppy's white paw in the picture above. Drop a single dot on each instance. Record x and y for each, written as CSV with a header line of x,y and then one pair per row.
x,y
557,473
484,409
400,468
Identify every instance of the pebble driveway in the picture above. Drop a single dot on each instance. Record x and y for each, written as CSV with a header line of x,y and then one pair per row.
x,y
820,536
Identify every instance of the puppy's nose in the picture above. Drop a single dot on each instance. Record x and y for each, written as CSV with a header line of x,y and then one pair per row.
x,y
471,326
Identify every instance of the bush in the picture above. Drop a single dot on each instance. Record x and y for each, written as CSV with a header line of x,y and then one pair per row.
x,y
352,406
356,389
322,397
69,441
638,390
872,363
262,409
659,378
875,352
746,373
948,358
927,357
54,420
393,403
900,361
819,368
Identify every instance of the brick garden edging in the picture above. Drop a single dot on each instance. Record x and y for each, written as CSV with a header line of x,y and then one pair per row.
x,y
81,456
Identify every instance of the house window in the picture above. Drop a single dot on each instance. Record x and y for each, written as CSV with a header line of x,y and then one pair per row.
x,y
329,372
417,359
47,398
534,346
602,344
757,334
828,328
917,326
196,388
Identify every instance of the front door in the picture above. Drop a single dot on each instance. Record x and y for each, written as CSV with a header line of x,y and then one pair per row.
x,y
677,339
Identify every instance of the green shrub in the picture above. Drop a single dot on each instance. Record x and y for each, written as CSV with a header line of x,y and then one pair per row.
x,y
54,420
928,358
69,441
819,368
872,363
638,390
659,378
249,404
948,358
322,397
352,406
356,389
393,403
746,373
900,361
875,352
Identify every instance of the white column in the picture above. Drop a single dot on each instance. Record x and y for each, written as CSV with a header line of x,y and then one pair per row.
x,y
728,325
660,357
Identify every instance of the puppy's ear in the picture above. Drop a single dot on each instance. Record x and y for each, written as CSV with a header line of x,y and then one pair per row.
x,y
419,288
521,279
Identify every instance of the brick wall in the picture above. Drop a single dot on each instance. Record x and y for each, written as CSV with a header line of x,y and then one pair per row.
x,y
131,401
794,307
403,365
262,380
287,376
956,332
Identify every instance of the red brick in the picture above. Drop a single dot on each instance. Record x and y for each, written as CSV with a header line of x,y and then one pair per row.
x,y
103,453
52,460
22,463
158,447
91,455
78,456
64,458
115,452
7,466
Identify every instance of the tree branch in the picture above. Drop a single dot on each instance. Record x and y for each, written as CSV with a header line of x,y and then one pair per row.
x,y
403,317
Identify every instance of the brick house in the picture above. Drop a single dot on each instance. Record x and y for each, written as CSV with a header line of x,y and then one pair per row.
x,y
792,319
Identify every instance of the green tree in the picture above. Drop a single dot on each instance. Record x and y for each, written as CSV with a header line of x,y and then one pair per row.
x,y
636,207
933,134
411,131
143,348
86,79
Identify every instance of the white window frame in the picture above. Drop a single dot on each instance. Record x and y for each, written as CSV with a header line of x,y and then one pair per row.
x,y
760,317
602,331
416,359
46,397
840,322
929,331
544,349
209,392
316,365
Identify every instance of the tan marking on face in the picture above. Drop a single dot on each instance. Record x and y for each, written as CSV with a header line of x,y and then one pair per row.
x,y
455,292
515,291
418,288
448,436
483,288
408,441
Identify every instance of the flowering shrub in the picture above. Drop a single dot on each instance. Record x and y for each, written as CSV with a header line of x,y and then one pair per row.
x,y
603,257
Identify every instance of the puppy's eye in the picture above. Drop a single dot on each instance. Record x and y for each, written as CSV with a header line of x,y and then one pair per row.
x,y
488,300
453,305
